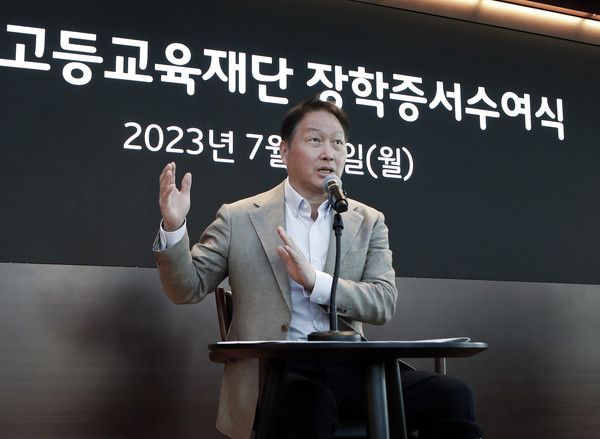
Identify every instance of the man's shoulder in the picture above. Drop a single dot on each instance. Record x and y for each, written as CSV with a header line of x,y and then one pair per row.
x,y
363,208
274,194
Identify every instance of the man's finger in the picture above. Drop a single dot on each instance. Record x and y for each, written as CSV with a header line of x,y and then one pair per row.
x,y
186,184
283,254
285,237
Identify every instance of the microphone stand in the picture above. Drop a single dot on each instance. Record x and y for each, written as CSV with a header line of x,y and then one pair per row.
x,y
333,334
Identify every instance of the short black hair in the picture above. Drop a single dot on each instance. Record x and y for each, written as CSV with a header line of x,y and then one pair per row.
x,y
295,115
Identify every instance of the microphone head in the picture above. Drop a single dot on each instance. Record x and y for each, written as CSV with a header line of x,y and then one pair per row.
x,y
329,180
332,185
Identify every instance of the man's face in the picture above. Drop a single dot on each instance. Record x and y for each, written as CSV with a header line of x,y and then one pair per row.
x,y
318,149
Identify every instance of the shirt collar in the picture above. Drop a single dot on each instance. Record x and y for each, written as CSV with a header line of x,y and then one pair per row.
x,y
294,200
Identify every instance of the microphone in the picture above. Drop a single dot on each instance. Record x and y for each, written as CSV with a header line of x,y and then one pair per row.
x,y
332,185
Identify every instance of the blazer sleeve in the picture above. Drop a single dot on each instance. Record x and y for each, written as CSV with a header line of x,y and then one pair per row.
x,y
188,276
366,289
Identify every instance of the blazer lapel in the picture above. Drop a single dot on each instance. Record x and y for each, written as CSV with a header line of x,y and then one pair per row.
x,y
269,214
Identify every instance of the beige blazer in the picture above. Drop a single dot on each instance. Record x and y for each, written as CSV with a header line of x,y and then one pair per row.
x,y
241,243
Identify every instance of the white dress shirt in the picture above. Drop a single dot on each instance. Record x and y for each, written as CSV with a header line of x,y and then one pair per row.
x,y
312,237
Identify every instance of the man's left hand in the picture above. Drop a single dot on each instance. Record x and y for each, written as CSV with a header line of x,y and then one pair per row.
x,y
296,263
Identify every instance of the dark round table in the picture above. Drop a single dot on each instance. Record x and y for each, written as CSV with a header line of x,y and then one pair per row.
x,y
380,361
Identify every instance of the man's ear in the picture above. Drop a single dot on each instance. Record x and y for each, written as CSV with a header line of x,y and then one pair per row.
x,y
283,149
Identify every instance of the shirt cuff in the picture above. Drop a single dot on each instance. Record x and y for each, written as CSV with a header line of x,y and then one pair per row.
x,y
169,239
321,292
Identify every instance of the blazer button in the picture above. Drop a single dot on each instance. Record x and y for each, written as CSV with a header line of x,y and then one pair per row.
x,y
285,328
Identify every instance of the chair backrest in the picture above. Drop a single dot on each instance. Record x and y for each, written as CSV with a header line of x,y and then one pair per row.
x,y
224,310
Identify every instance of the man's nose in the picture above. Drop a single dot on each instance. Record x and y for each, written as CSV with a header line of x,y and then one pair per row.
x,y
327,151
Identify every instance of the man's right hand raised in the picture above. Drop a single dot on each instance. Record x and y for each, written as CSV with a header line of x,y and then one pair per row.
x,y
174,203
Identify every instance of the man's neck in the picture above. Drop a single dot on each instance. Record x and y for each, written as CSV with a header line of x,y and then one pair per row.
x,y
314,201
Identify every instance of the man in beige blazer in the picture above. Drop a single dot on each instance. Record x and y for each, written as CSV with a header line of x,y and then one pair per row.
x,y
249,244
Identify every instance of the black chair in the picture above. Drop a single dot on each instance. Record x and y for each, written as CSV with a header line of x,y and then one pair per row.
x,y
224,310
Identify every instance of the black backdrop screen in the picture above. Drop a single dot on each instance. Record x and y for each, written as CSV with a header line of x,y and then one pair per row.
x,y
476,142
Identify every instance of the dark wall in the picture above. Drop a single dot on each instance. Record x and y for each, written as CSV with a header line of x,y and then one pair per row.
x,y
507,194
92,352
